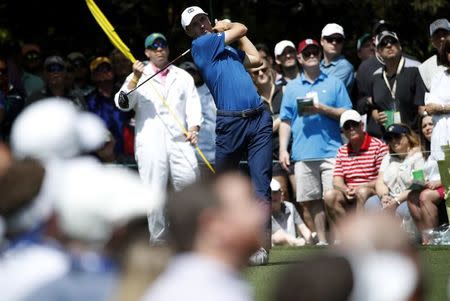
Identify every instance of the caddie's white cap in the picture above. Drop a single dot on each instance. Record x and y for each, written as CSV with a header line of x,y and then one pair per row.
x,y
331,29
275,185
188,14
349,115
280,46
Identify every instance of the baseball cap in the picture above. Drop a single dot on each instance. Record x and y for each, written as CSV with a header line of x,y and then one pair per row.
x,y
280,46
54,59
73,56
362,39
95,63
395,129
331,29
150,39
188,66
383,35
275,185
54,128
93,199
306,43
188,14
349,115
381,25
439,24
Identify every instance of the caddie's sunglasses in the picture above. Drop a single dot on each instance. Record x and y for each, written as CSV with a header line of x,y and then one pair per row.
x,y
387,41
338,40
157,44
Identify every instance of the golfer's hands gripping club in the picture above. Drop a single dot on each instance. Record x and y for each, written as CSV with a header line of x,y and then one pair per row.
x,y
222,25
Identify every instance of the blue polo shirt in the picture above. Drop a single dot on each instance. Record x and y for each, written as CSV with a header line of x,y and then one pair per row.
x,y
222,69
340,68
317,136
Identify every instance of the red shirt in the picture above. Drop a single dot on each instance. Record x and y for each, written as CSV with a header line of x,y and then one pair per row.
x,y
360,167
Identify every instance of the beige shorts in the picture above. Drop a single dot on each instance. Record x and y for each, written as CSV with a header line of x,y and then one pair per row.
x,y
313,179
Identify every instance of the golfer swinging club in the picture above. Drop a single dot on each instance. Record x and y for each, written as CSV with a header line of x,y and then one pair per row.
x,y
242,125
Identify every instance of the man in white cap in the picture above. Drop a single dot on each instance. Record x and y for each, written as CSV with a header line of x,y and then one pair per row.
x,y
286,58
439,30
356,168
243,125
333,62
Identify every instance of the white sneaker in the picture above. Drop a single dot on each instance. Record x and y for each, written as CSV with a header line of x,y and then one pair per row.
x,y
322,243
260,257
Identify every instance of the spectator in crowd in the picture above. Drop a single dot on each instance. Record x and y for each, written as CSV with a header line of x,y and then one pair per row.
x,y
288,227
242,124
265,54
122,66
426,203
32,68
334,62
11,101
161,146
398,90
364,47
394,178
272,94
101,101
380,249
214,227
207,136
55,74
438,104
81,72
286,59
315,132
439,30
356,168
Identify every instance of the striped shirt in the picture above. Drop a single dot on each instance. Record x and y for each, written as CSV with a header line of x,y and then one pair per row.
x,y
360,167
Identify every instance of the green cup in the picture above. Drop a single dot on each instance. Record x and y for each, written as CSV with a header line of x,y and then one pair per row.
x,y
390,118
418,176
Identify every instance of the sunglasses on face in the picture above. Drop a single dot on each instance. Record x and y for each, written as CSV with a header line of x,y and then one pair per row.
x,y
387,41
263,70
306,54
350,124
158,44
337,40
54,68
3,71
103,68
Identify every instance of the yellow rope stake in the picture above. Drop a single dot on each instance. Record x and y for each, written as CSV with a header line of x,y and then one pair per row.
x,y
120,45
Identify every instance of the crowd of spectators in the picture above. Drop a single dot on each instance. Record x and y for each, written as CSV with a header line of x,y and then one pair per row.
x,y
346,145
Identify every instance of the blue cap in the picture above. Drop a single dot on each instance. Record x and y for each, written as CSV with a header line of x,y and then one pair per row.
x,y
151,38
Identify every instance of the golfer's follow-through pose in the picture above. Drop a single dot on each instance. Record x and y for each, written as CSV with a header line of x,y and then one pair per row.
x,y
242,125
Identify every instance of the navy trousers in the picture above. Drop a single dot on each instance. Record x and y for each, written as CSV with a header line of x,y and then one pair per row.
x,y
236,135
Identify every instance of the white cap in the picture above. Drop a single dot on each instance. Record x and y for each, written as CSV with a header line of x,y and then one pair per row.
x,y
94,199
439,24
331,29
188,14
275,185
349,115
280,46
54,128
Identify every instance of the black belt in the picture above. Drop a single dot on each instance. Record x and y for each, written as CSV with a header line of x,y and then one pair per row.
x,y
243,114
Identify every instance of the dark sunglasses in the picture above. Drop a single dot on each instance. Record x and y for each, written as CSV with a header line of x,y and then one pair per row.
x,y
387,41
54,68
310,51
256,72
338,40
103,68
3,71
158,44
350,124
32,55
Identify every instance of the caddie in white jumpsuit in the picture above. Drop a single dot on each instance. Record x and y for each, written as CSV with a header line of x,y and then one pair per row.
x,y
161,148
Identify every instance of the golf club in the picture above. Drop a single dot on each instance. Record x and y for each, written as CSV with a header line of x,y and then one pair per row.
x,y
123,97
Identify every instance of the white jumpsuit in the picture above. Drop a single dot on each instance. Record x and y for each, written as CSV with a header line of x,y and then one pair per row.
x,y
160,146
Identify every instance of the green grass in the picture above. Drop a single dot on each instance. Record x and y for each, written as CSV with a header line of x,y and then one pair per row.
x,y
436,260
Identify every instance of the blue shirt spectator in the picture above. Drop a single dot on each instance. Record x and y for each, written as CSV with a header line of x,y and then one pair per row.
x,y
340,68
